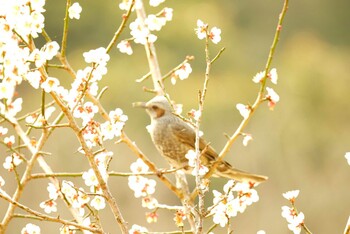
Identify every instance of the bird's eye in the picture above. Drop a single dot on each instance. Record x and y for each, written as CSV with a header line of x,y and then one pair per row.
x,y
154,107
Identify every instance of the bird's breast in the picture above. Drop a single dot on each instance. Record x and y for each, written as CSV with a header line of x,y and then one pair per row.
x,y
168,144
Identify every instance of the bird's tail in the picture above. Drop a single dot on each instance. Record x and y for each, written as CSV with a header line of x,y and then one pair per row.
x,y
226,170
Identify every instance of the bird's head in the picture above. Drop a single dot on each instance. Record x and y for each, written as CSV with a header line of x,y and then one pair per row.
x,y
157,107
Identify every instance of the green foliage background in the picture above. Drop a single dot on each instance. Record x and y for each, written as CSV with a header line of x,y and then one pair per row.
x,y
300,145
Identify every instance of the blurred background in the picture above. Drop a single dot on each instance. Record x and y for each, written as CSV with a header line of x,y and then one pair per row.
x,y
299,145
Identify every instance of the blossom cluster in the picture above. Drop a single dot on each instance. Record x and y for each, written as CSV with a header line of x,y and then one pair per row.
x,y
203,32
142,30
19,21
12,161
295,219
181,73
192,157
272,97
24,17
235,199
144,188
77,197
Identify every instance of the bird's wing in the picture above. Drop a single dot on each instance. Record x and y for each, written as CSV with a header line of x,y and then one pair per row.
x,y
187,135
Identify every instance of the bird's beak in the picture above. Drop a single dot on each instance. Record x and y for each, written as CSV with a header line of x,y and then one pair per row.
x,y
139,104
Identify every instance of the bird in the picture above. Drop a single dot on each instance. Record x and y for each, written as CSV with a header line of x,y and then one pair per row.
x,y
173,138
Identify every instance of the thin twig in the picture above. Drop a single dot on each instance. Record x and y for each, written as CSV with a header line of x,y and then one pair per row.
x,y
347,227
201,99
217,55
111,173
187,59
42,217
65,30
103,90
258,100
121,27
151,56
148,75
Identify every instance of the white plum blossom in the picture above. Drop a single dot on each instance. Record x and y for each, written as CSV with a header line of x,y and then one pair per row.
x,y
155,3
244,110
151,217
12,107
291,195
67,188
125,4
12,161
220,216
38,57
273,75
30,229
167,13
202,32
195,114
50,84
136,229
89,178
141,186
3,131
2,182
69,230
98,56
139,166
85,112
272,98
155,23
98,203
53,191
74,11
103,158
38,5
125,47
201,29
6,90
49,206
34,78
215,35
246,139
258,77
141,33
50,50
184,71
149,202
347,156
117,116
10,140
